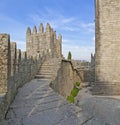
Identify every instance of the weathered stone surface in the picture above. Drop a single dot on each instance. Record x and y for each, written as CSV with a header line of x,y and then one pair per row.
x,y
13,57
4,61
66,78
104,110
16,69
36,103
40,42
49,69
107,59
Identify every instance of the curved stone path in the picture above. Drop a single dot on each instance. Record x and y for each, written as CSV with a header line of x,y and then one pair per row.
x,y
37,104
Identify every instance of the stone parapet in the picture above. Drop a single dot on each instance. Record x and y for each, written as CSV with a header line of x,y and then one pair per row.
x,y
4,62
16,69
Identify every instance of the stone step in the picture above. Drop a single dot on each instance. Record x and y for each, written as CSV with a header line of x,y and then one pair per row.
x,y
48,69
45,73
42,68
43,76
47,65
51,63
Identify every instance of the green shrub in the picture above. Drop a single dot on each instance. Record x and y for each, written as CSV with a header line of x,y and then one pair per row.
x,y
70,99
69,55
74,92
77,84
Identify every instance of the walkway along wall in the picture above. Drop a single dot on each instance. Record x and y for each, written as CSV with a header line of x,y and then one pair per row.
x,y
17,67
15,70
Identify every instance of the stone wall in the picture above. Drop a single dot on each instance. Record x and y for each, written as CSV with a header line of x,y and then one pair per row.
x,y
4,61
39,41
85,69
15,70
66,77
17,67
92,68
107,48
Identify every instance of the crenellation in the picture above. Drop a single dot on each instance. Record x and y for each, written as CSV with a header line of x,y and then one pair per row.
x,y
42,41
28,32
41,29
43,56
18,67
55,37
59,37
13,57
34,30
59,47
23,55
18,60
4,62
48,28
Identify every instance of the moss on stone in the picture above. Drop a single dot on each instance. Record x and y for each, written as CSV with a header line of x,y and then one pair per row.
x,y
77,84
74,92
70,99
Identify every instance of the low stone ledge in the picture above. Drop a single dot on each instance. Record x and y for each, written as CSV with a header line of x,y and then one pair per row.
x,y
105,88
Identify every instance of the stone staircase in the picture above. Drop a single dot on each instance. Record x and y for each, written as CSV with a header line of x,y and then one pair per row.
x,y
49,69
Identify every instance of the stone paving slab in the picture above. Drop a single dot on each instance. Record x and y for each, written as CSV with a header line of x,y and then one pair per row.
x,y
37,104
104,109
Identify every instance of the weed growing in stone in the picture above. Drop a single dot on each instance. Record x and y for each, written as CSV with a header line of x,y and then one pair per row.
x,y
74,92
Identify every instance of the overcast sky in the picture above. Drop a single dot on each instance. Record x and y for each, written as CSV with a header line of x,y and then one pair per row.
x,y
74,19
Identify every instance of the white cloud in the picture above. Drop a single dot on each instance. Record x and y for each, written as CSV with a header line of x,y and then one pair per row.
x,y
68,20
55,18
90,27
59,22
78,52
70,41
93,39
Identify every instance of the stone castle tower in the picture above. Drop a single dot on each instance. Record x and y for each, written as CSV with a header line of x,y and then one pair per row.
x,y
107,48
42,42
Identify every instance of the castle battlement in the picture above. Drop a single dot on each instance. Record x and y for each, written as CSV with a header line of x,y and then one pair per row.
x,y
16,69
39,41
14,61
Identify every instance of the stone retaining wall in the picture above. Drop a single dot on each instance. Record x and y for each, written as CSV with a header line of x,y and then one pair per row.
x,y
66,77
